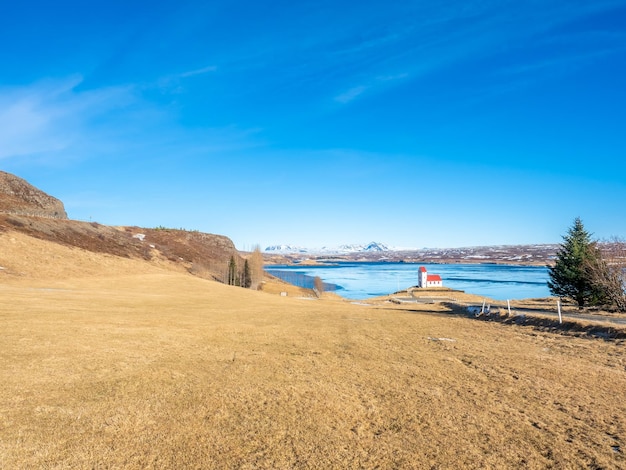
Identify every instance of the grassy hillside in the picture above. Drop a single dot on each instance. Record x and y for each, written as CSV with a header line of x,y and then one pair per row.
x,y
204,254
108,362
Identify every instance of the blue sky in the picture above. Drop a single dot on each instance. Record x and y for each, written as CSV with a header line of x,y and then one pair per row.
x,y
413,123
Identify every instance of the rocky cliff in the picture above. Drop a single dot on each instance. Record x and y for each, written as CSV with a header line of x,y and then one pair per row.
x,y
17,196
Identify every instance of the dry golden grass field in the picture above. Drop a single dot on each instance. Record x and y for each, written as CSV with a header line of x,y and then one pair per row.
x,y
114,363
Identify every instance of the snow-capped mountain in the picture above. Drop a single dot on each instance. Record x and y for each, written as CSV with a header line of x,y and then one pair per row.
x,y
285,249
355,248
373,246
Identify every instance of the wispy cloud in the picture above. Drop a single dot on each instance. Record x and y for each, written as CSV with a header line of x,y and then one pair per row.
x,y
202,71
55,120
551,64
174,83
375,84
50,116
556,65
444,36
351,94
390,78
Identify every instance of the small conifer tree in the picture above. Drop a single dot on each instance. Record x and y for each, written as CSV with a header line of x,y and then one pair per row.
x,y
232,272
247,277
570,277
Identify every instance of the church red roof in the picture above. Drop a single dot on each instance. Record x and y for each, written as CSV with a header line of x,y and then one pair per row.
x,y
422,269
433,277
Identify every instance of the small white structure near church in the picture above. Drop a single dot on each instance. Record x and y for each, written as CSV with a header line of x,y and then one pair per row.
x,y
428,280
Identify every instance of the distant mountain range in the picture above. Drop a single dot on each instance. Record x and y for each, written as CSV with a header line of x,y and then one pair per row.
x,y
372,247
535,254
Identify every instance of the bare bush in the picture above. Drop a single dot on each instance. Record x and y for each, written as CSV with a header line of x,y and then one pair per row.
x,y
318,285
608,272
256,268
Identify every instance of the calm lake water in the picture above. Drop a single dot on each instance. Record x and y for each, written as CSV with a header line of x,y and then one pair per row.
x,y
364,280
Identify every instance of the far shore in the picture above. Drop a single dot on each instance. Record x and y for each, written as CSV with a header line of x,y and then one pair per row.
x,y
290,261
515,255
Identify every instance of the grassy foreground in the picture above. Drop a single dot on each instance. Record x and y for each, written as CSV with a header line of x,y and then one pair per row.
x,y
159,369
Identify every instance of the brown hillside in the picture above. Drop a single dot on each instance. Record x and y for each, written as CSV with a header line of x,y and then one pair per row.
x,y
20,197
201,253
204,253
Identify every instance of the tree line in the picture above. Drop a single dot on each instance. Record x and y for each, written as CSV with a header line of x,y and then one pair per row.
x,y
250,274
588,272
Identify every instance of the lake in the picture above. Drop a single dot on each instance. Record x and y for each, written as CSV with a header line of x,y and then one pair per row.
x,y
363,280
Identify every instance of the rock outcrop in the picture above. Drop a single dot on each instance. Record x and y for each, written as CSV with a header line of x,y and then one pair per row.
x,y
17,196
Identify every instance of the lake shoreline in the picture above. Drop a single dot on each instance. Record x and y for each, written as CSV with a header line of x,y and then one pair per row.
x,y
363,280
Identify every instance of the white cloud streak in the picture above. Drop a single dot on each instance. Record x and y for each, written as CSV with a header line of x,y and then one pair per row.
x,y
445,35
202,71
56,121
49,117
351,94
375,84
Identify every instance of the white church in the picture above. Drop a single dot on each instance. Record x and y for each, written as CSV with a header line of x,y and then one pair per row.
x,y
428,280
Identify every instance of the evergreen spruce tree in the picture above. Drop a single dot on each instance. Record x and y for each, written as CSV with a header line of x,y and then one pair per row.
x,y
232,272
569,277
247,277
